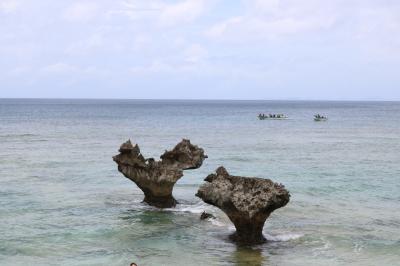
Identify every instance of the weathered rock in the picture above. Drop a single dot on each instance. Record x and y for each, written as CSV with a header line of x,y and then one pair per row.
x,y
247,201
184,156
157,178
205,215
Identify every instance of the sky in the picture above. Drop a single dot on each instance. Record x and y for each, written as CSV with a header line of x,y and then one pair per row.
x,y
200,49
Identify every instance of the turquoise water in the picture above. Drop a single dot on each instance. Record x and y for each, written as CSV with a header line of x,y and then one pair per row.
x,y
63,202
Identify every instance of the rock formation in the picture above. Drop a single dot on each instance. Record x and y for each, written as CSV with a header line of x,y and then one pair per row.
x,y
205,215
157,178
248,202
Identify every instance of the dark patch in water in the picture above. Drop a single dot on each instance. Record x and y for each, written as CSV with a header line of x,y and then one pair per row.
x,y
18,135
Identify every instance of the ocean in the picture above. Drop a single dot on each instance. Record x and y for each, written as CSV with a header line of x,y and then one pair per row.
x,y
63,201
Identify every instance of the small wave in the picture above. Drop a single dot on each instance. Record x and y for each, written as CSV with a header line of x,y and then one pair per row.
x,y
238,159
216,222
283,237
358,247
201,207
196,208
323,245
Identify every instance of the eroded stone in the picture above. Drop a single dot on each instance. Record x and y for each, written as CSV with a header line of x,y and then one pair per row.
x,y
157,178
247,201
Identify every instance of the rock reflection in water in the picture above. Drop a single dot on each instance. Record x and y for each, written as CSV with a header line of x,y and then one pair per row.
x,y
247,256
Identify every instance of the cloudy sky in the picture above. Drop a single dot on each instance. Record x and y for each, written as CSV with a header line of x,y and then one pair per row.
x,y
200,49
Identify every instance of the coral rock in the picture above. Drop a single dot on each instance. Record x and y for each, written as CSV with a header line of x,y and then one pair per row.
x,y
247,201
157,178
205,215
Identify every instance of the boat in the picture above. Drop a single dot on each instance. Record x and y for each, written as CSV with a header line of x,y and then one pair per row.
x,y
272,117
319,118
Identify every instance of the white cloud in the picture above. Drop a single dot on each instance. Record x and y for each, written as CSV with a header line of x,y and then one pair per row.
x,y
81,11
264,40
59,68
195,53
182,12
137,9
160,67
377,30
155,67
71,71
9,6
245,28
141,42
271,19
18,71
160,12
266,6
86,46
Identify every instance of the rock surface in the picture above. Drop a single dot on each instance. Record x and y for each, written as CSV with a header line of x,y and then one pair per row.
x,y
205,215
248,202
157,178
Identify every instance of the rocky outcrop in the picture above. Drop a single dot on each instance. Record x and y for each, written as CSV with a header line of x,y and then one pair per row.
x,y
205,215
157,178
247,201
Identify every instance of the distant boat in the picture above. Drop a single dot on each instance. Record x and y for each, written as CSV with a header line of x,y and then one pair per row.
x,y
318,118
272,117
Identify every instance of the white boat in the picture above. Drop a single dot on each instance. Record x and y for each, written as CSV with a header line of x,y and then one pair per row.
x,y
272,117
318,118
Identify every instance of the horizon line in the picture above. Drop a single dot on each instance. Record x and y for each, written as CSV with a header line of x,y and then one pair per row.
x,y
199,99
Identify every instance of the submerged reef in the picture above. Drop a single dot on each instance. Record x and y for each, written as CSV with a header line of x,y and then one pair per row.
x,y
247,201
157,178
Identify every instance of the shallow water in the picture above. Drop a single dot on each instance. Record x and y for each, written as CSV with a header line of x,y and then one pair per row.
x,y
63,202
